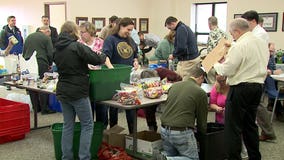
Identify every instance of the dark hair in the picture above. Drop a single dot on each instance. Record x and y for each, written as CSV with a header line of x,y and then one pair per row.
x,y
149,73
44,16
197,71
251,15
10,17
112,18
170,19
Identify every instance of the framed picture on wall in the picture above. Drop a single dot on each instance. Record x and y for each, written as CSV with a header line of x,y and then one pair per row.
x,y
134,21
283,22
237,16
144,25
99,23
80,20
269,21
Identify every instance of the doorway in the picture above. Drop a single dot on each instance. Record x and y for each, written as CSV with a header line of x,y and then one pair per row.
x,y
56,11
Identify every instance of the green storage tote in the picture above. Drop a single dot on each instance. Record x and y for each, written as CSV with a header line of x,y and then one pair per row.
x,y
105,82
95,145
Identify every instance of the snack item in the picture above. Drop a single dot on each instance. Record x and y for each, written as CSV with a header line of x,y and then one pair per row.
x,y
154,92
127,98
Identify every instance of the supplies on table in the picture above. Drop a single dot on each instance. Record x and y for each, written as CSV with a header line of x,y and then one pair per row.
x,y
152,87
128,95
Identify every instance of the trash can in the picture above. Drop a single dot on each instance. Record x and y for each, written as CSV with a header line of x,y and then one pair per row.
x,y
95,145
212,144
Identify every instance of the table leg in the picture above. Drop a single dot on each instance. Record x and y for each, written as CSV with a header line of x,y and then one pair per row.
x,y
135,132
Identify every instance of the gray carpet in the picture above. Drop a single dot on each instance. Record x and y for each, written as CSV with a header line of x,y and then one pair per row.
x,y
38,144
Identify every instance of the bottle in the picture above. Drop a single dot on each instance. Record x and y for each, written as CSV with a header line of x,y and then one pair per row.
x,y
171,65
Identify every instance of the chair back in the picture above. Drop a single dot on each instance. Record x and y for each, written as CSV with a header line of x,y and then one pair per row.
x,y
270,87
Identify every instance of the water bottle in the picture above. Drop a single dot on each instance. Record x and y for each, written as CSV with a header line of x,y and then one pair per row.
x,y
171,65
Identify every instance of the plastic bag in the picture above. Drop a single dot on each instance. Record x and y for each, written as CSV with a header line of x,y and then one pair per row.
x,y
108,152
20,98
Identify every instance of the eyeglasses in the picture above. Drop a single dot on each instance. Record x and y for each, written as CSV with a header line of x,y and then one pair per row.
x,y
82,32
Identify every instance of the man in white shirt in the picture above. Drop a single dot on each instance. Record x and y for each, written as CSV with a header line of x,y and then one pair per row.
x,y
245,67
262,116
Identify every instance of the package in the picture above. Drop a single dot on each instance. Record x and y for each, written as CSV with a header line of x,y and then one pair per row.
x,y
154,92
113,136
127,97
148,142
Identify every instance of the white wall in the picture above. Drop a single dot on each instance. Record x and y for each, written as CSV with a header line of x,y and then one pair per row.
x,y
29,12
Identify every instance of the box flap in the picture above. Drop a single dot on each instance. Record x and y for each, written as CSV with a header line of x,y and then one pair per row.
x,y
114,129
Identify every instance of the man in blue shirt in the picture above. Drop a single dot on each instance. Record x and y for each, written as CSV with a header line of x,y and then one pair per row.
x,y
185,46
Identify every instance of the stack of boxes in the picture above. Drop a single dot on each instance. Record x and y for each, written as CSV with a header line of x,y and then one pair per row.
x,y
14,120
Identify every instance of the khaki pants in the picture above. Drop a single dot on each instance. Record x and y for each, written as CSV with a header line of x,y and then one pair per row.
x,y
184,67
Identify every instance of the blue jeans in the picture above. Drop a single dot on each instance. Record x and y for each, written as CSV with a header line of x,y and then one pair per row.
x,y
82,108
179,145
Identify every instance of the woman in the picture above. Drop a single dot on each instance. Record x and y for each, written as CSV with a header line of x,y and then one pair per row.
x,y
218,97
121,49
71,58
88,38
165,48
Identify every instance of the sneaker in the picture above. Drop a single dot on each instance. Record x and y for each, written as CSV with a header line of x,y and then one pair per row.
x,y
266,138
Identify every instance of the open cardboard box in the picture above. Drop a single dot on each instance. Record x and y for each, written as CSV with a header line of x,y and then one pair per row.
x,y
113,136
148,142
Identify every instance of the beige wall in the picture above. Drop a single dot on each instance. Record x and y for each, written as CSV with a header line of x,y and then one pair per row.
x,y
29,12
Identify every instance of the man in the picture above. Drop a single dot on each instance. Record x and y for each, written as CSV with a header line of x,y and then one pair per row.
x,y
54,34
11,30
41,43
213,39
245,68
262,116
186,102
106,30
147,42
185,45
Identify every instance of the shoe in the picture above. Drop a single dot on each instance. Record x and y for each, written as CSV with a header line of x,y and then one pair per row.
x,y
47,111
266,138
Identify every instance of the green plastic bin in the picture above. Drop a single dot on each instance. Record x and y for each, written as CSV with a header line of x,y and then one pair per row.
x,y
105,82
96,140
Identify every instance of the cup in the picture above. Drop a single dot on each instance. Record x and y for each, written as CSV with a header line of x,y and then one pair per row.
x,y
13,40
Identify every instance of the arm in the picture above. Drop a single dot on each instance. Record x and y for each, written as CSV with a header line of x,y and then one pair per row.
x,y
231,63
213,100
49,51
89,56
2,39
201,114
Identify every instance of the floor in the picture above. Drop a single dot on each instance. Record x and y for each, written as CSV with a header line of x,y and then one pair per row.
x,y
38,144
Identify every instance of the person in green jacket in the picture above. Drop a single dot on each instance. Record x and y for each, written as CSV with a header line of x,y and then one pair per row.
x,y
165,48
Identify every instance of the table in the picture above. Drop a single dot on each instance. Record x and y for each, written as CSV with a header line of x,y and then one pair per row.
x,y
145,102
35,89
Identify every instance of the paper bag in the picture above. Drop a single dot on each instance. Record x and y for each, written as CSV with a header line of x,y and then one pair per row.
x,y
215,55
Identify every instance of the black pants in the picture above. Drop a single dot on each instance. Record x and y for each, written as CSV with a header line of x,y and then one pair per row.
x,y
150,114
40,100
241,107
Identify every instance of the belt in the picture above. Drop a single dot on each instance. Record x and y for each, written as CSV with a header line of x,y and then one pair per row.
x,y
176,128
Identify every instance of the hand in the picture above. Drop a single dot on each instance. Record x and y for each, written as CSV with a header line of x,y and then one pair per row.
x,y
277,71
227,43
135,63
171,57
269,72
219,109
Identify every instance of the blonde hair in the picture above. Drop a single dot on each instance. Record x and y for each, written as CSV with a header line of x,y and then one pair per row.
x,y
90,28
171,36
70,28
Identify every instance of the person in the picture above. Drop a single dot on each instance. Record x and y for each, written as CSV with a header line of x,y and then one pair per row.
x,y
218,97
88,33
185,46
121,49
88,38
172,77
262,115
72,91
11,30
214,37
53,33
271,69
245,68
6,51
260,22
106,31
165,48
151,40
186,103
40,43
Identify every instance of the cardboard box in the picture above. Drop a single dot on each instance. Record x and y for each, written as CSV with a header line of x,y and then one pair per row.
x,y
113,136
148,142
